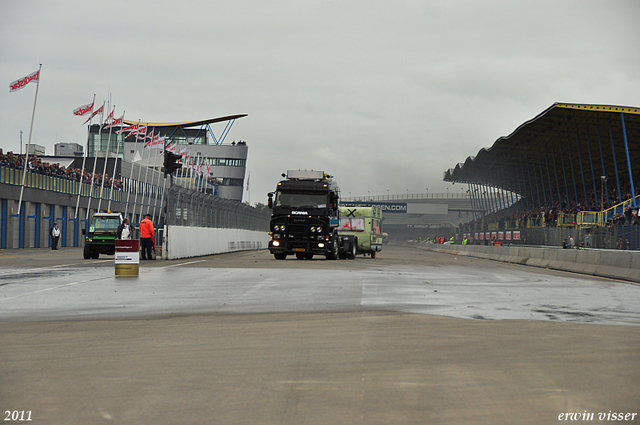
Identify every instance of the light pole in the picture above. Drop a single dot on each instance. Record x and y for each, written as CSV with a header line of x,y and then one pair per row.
x,y
604,180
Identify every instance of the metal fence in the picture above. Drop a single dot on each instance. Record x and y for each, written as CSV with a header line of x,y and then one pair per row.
x,y
611,237
186,207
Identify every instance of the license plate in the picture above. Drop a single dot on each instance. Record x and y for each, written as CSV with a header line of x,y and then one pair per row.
x,y
298,249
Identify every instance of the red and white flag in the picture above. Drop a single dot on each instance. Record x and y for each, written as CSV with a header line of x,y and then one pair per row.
x,y
141,133
109,117
96,112
155,143
130,128
18,84
117,121
83,110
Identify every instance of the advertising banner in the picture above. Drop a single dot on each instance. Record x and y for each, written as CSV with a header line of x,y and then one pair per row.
x,y
127,258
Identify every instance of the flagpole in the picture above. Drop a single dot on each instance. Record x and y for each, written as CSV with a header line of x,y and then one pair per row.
x,y
152,181
93,173
106,158
146,174
26,156
115,163
126,208
164,184
193,161
135,202
84,158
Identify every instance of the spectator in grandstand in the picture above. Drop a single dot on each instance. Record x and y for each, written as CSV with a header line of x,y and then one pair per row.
x,y
627,215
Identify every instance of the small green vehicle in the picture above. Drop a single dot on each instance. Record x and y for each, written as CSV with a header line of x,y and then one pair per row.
x,y
365,224
102,235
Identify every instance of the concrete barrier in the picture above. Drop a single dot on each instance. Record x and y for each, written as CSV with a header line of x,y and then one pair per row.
x,y
186,242
604,263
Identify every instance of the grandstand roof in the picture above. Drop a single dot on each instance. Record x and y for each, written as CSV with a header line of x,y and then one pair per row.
x,y
187,124
564,137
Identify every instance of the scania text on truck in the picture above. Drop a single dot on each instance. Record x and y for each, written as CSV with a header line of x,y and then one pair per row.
x,y
306,216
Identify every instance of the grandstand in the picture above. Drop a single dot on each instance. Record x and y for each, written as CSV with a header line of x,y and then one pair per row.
x,y
572,166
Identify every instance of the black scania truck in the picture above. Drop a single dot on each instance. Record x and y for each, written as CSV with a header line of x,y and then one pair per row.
x,y
306,216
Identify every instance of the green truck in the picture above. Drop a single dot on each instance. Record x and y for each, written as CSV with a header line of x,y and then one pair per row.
x,y
102,234
365,224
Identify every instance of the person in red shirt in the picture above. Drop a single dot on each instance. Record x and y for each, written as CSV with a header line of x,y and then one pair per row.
x,y
147,234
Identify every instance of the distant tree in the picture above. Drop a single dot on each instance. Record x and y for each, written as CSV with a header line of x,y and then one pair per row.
x,y
261,206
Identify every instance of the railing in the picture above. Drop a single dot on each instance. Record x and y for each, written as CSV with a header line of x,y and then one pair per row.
x,y
619,208
600,218
535,222
591,218
13,176
566,220
405,196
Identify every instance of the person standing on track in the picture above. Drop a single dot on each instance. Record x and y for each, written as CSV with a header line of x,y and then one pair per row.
x,y
147,234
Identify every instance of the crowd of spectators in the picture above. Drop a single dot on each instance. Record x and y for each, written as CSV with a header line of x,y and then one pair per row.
x,y
36,165
520,215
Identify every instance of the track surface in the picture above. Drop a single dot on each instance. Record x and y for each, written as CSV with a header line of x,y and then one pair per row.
x,y
409,337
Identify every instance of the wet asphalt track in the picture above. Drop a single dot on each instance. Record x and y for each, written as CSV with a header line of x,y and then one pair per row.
x,y
401,280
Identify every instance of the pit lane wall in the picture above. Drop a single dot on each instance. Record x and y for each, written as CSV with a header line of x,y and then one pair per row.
x,y
615,264
186,242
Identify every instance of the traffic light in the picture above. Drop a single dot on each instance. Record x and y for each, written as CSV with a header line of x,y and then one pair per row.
x,y
171,162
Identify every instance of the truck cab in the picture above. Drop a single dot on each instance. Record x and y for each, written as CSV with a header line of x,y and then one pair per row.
x,y
305,216
101,235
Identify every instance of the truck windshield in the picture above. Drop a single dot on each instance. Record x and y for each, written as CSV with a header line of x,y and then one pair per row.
x,y
301,200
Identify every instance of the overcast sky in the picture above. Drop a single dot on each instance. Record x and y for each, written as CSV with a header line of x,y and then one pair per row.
x,y
384,95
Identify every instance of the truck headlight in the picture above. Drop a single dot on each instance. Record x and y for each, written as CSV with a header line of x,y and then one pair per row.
x,y
320,245
313,229
319,229
275,243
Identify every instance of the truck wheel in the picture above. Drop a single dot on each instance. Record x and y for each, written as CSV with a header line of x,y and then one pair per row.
x,y
352,253
373,254
95,255
280,255
308,257
87,252
333,254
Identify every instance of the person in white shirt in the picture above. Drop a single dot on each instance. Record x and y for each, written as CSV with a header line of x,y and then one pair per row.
x,y
55,236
